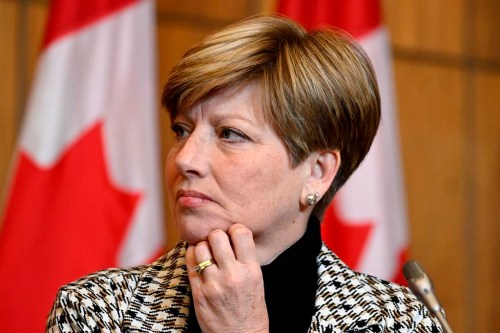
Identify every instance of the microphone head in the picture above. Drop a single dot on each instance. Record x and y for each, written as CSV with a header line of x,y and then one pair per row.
x,y
412,270
421,285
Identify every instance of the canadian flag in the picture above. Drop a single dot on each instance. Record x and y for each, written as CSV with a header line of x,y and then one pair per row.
x,y
85,191
366,224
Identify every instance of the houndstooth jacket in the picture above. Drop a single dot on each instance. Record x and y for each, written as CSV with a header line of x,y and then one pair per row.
x,y
156,298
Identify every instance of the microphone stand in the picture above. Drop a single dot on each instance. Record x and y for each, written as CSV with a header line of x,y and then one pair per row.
x,y
421,285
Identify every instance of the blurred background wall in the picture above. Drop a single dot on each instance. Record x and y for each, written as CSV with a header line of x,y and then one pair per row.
x,y
447,73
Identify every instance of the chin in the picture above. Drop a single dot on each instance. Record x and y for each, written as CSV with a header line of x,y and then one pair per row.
x,y
192,239
195,233
195,229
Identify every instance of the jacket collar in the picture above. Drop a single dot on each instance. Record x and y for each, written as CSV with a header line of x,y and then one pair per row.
x,y
343,304
162,298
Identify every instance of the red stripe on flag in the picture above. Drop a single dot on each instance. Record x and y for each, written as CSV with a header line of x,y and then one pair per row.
x,y
68,16
402,258
346,239
357,17
61,222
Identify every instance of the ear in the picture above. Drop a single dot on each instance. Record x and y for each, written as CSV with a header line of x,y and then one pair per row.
x,y
323,168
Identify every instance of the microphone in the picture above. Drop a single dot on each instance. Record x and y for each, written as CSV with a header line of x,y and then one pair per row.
x,y
421,285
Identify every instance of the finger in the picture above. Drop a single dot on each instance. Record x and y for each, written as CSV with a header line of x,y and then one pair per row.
x,y
243,243
202,253
194,278
221,249
190,259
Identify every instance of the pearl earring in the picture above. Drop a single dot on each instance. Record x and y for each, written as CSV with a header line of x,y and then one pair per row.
x,y
312,198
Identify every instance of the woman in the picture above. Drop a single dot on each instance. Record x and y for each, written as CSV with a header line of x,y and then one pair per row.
x,y
270,121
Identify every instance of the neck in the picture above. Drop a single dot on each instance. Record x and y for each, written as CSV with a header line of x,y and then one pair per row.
x,y
270,246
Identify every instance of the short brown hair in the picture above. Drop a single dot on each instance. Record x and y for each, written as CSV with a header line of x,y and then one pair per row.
x,y
318,88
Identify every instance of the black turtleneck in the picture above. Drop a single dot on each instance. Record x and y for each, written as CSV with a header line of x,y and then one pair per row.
x,y
290,284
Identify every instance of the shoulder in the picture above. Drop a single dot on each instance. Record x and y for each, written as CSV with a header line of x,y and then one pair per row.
x,y
399,307
108,276
94,301
375,301
105,283
100,301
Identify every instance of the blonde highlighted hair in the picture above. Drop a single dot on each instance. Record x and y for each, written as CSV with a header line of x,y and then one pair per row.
x,y
318,88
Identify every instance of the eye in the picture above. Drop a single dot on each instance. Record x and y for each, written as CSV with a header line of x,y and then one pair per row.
x,y
179,130
232,135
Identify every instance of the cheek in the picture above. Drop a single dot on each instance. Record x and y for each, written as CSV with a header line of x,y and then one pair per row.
x,y
256,177
251,172
170,170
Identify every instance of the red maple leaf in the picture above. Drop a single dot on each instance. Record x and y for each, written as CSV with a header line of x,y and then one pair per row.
x,y
398,275
344,238
60,223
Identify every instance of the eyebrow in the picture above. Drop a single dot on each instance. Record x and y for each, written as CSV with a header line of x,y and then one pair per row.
x,y
218,116
228,115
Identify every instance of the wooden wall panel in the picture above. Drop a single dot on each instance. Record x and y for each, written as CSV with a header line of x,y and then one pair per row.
x,y
431,127
200,11
486,159
173,41
485,29
9,19
426,25
447,66
35,21
21,30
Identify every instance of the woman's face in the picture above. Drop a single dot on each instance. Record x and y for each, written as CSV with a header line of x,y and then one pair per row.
x,y
229,166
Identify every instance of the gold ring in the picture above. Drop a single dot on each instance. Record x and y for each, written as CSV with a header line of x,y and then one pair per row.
x,y
202,265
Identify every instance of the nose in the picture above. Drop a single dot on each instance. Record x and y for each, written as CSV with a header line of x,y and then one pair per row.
x,y
191,157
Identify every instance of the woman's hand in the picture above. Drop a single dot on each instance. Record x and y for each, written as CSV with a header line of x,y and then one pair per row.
x,y
228,295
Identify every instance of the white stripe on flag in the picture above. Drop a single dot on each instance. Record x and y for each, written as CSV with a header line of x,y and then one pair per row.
x,y
375,191
106,72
